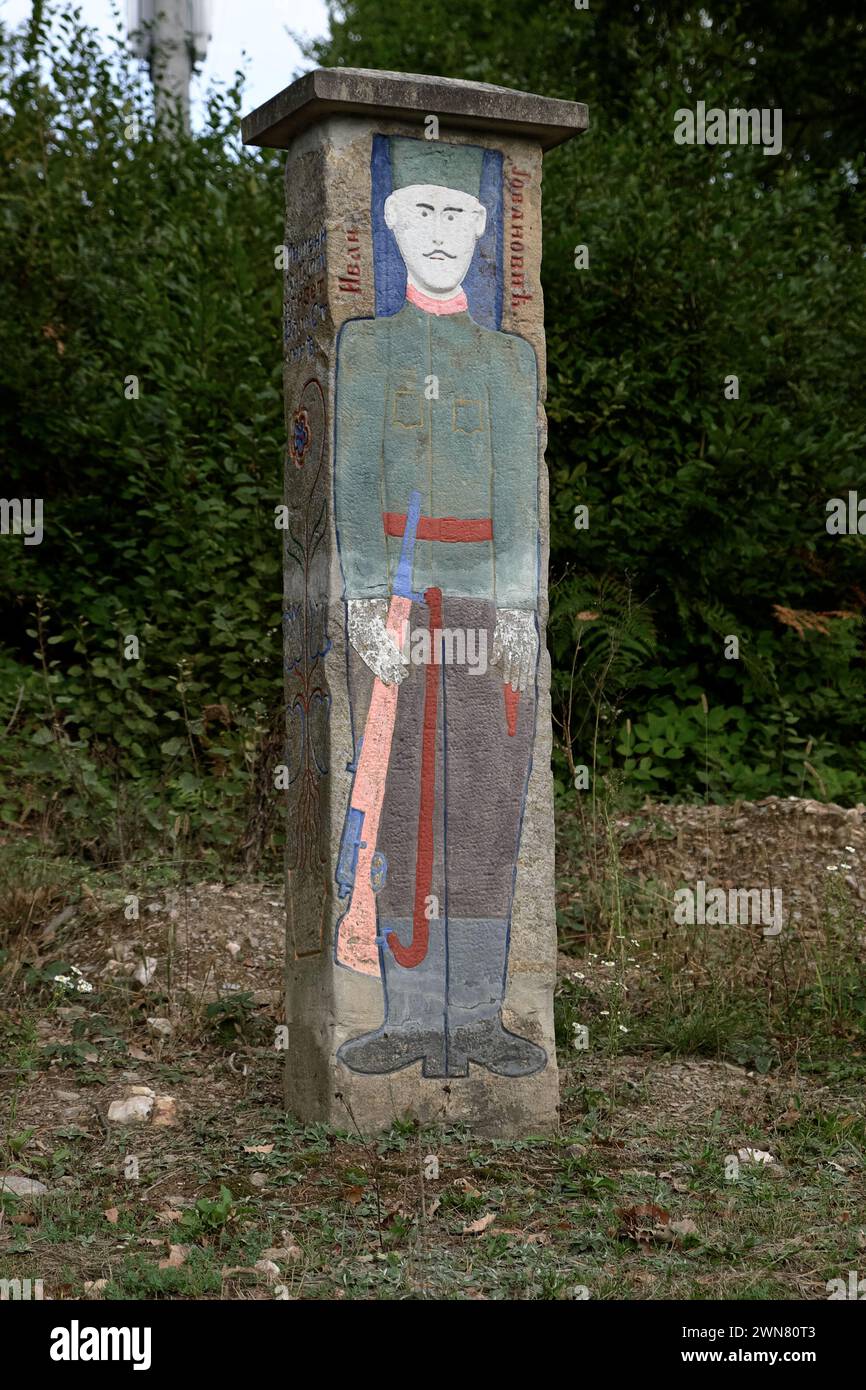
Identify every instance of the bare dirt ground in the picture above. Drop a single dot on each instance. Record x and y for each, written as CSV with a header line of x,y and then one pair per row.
x,y
678,1171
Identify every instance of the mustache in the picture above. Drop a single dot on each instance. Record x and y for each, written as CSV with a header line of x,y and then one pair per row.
x,y
439,252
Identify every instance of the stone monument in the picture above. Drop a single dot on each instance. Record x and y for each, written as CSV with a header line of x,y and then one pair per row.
x,y
421,936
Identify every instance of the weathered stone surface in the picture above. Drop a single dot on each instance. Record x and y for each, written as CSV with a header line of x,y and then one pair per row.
x,y
164,1112
160,1027
406,96
141,1106
134,1110
21,1186
421,943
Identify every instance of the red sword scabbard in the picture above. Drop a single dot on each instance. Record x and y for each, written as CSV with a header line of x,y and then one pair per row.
x,y
414,953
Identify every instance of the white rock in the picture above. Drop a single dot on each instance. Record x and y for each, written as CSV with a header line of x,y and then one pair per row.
x,y
135,1110
145,972
21,1186
161,1027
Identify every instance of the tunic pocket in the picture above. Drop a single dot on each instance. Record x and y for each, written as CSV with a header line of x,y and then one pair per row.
x,y
468,416
407,410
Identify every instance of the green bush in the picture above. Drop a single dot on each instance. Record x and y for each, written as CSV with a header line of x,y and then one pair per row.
x,y
706,515
131,250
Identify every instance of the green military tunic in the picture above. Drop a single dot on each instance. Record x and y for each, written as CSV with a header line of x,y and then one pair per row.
x,y
472,453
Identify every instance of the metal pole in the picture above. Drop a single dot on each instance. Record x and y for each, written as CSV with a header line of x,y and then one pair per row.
x,y
171,59
171,36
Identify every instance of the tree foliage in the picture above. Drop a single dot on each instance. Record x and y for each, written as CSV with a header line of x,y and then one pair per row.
x,y
707,514
133,251
140,397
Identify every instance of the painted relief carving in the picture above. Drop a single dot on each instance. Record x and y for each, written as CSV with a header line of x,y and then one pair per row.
x,y
436,501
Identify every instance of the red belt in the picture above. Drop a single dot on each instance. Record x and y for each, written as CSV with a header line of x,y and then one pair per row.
x,y
441,528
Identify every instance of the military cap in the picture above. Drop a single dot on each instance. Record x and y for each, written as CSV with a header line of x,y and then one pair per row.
x,y
435,162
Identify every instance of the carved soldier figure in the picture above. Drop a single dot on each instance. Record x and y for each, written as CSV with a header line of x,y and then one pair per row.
x,y
436,477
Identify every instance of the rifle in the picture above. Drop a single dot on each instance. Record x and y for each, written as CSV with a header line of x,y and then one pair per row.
x,y
361,869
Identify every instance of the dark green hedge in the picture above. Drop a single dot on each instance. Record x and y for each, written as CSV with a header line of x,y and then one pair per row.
x,y
144,253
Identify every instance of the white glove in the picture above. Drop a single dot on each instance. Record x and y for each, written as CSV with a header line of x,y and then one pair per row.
x,y
515,646
372,640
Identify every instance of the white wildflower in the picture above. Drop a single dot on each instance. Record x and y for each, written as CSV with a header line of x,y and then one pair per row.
x,y
76,981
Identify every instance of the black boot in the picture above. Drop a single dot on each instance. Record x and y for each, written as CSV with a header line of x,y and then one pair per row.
x,y
477,959
414,1026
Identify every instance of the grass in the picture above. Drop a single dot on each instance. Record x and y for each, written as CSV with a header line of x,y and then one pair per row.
x,y
701,1043
361,1219
726,992
377,1229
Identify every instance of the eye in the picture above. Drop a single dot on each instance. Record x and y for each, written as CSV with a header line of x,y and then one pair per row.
x,y
423,213
451,217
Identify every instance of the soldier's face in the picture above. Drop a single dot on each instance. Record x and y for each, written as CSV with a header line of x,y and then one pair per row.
x,y
436,230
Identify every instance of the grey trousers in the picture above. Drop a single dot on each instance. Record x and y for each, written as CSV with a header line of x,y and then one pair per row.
x,y
481,774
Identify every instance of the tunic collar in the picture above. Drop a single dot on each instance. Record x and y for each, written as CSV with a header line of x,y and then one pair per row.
x,y
457,304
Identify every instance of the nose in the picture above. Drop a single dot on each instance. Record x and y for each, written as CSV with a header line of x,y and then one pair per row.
x,y
439,228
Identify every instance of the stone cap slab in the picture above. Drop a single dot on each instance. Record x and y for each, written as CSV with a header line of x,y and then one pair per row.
x,y
407,96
